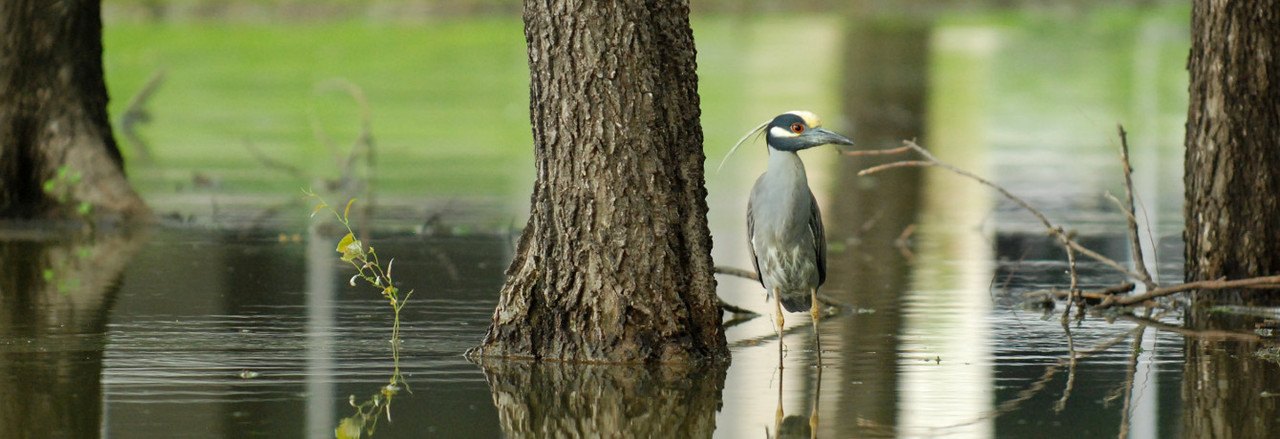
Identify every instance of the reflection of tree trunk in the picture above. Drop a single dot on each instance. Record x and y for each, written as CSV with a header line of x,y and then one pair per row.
x,y
566,400
884,99
53,113
1223,383
615,262
56,295
1233,140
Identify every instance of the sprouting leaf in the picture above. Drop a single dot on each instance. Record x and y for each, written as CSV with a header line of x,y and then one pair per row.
x,y
48,186
318,208
346,212
345,241
350,248
84,209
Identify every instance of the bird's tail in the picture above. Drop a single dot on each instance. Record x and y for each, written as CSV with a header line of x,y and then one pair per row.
x,y
796,301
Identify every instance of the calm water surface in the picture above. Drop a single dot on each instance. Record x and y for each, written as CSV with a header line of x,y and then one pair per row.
x,y
235,318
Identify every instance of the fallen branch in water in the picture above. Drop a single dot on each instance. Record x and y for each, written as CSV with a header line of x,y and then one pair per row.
x,y
1111,297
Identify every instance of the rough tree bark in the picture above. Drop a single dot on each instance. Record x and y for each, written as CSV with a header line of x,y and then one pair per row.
x,y
615,262
1233,140
53,114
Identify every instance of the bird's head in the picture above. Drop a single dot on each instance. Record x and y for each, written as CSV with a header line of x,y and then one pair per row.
x,y
796,130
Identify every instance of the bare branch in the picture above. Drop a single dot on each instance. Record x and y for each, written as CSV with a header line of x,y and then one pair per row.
x,y
1215,284
871,152
1138,261
1055,230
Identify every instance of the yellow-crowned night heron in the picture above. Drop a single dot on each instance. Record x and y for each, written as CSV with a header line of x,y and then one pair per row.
x,y
784,225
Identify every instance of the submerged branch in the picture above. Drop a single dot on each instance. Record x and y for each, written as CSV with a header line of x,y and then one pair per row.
x,y
1111,296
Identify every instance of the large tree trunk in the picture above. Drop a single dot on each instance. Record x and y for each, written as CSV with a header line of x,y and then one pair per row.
x,y
57,153
1233,140
615,262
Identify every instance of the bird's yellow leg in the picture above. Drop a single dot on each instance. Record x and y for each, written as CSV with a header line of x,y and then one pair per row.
x,y
815,310
778,323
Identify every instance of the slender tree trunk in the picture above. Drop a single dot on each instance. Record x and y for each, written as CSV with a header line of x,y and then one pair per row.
x,y
1233,140
615,262
57,154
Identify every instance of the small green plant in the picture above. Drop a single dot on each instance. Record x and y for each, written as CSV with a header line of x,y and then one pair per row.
x,y
365,260
369,268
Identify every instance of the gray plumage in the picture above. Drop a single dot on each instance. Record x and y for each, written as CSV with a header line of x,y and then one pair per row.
x,y
784,226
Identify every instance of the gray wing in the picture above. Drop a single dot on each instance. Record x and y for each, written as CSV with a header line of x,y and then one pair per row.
x,y
819,238
751,245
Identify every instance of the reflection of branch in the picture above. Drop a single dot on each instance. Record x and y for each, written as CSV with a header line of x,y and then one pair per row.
x,y
1131,368
1205,334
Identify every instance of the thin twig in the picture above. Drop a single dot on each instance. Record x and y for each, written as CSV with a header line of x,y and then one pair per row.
x,y
1073,298
871,152
1138,261
1058,232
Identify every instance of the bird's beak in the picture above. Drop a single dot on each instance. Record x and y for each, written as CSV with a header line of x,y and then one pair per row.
x,y
821,136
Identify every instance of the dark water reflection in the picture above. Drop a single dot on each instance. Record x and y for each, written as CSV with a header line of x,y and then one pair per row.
x,y
567,400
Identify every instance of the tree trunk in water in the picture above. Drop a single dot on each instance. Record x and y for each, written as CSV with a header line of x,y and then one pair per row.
x,y
57,153
615,262
1233,140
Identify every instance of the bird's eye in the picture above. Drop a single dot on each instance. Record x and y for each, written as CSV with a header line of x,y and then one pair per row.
x,y
797,128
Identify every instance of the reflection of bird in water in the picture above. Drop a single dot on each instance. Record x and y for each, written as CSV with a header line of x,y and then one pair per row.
x,y
797,426
784,226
